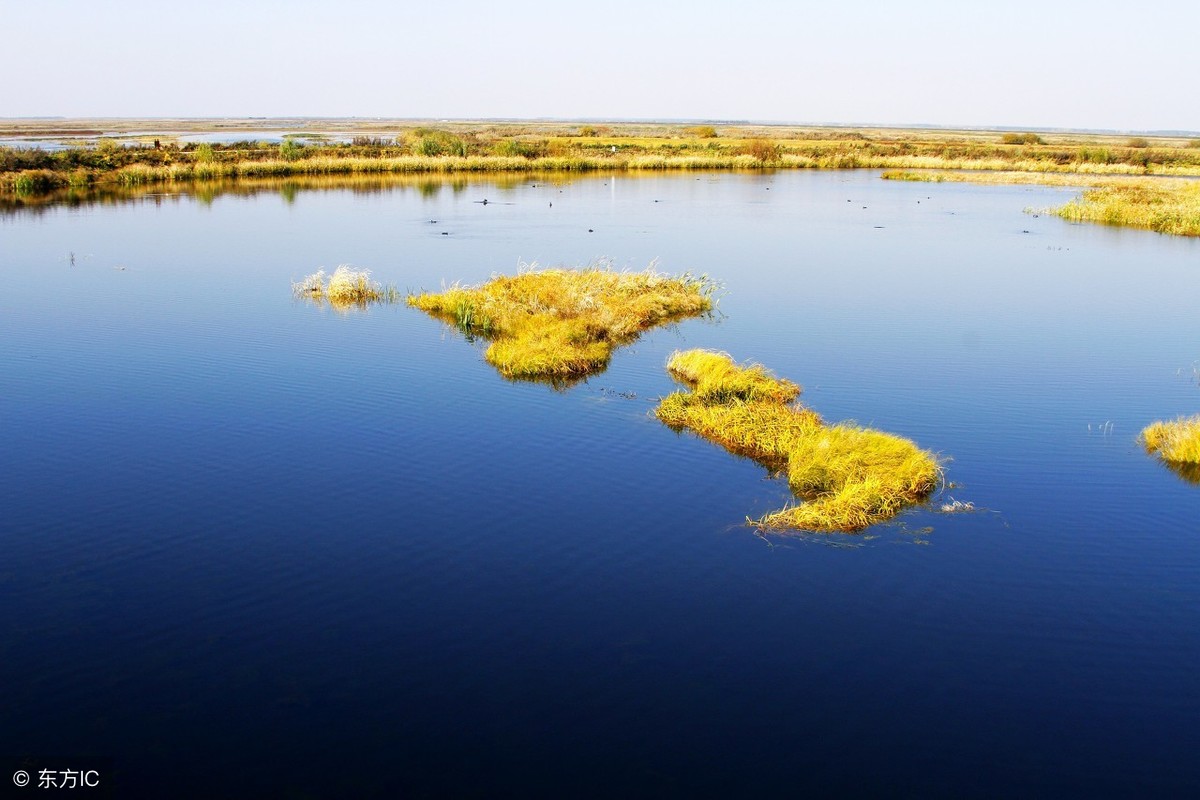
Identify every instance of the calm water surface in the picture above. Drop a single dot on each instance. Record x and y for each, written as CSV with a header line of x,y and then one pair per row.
x,y
57,143
252,547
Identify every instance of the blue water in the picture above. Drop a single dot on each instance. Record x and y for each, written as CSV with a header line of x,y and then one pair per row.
x,y
252,547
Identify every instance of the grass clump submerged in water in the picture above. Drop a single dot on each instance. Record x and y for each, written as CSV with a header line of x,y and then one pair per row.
x,y
346,288
563,324
1176,442
850,477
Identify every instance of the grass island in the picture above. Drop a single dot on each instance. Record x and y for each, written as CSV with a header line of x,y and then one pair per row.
x,y
848,476
561,324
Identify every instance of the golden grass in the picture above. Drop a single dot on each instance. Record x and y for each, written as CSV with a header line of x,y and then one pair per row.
x,y
1173,209
346,288
850,477
404,146
715,378
1158,204
1016,177
1176,441
560,323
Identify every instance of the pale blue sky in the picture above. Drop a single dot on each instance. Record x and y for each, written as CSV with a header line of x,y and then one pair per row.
x,y
1075,64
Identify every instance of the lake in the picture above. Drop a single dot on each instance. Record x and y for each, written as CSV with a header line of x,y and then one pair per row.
x,y
67,141
255,547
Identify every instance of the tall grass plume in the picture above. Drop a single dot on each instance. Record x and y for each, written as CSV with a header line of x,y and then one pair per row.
x,y
346,288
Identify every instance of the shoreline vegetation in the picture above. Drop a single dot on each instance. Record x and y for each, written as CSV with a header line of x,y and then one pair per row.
x,y
1163,205
160,153
561,325
139,155
849,477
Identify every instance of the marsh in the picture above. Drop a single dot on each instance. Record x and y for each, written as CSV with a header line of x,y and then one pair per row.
x,y
336,553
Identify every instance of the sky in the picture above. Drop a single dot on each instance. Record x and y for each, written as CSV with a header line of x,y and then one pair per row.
x,y
1080,65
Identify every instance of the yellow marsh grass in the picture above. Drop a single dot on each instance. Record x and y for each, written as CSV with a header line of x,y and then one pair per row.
x,y
1158,204
1013,177
649,159
560,147
1177,441
715,378
346,288
1173,209
561,324
850,477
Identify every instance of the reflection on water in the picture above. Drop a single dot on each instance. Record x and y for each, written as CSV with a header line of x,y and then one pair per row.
x,y
345,290
266,136
287,188
346,305
52,145
1187,471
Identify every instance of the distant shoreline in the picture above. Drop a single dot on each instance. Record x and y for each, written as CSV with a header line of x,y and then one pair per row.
x,y
39,155
99,126
180,153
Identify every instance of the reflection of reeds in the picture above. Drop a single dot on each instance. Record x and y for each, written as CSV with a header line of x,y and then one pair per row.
x,y
850,477
346,288
559,323
1186,470
288,187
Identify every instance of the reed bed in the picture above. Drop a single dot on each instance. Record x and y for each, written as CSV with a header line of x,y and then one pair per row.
x,y
345,289
1015,177
1014,165
1173,209
1176,441
1155,203
715,378
848,476
537,147
562,323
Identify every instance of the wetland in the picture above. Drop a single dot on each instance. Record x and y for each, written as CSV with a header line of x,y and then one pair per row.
x,y
256,532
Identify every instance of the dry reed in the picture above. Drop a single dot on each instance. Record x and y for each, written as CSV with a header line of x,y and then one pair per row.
x,y
559,323
849,477
346,288
1176,441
